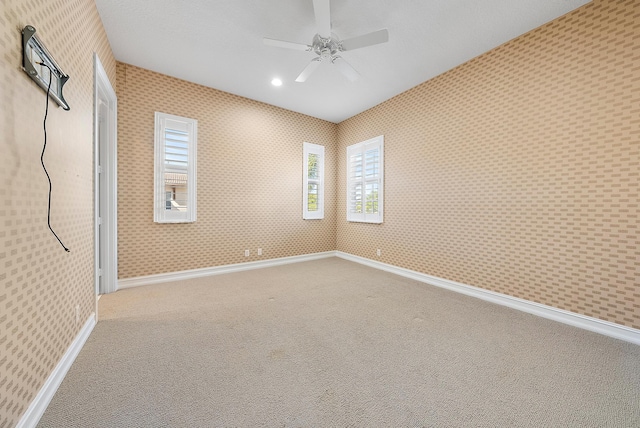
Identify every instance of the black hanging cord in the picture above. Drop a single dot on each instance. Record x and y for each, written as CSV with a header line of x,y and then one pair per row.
x,y
44,125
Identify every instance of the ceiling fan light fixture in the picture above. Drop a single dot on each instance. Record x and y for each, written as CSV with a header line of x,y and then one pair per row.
x,y
327,46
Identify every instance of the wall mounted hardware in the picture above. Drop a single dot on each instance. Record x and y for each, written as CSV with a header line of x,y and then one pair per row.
x,y
38,63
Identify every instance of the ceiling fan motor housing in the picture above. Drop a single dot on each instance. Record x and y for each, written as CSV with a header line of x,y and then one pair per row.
x,y
326,48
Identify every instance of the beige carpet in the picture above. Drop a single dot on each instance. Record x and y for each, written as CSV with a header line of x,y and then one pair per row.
x,y
331,343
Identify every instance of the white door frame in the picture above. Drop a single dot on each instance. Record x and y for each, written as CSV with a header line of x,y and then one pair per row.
x,y
105,151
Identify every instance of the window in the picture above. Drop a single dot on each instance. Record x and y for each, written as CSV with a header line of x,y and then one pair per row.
x,y
313,181
365,171
175,169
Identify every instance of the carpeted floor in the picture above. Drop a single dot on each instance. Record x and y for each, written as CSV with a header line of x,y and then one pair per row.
x,y
331,343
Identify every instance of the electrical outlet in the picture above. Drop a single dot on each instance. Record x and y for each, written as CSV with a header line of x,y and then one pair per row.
x,y
378,252
246,253
259,251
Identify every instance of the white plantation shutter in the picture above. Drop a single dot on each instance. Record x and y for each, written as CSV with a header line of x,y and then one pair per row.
x,y
313,181
175,169
365,170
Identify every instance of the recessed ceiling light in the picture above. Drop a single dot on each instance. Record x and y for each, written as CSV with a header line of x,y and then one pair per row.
x,y
276,82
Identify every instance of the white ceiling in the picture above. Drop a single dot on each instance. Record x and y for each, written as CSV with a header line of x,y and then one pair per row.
x,y
218,43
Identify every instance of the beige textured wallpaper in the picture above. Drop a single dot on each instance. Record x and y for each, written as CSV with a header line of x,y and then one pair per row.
x,y
518,172
40,284
249,178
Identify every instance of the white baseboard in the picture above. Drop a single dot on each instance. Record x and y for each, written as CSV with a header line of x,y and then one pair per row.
x,y
46,393
218,270
43,398
571,318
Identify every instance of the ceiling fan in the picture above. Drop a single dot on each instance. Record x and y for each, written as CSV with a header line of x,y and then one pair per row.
x,y
328,46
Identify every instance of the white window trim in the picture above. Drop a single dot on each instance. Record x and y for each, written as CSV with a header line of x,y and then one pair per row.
x,y
362,147
307,149
161,214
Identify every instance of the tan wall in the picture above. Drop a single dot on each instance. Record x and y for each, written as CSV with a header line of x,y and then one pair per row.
x,y
249,178
40,284
518,171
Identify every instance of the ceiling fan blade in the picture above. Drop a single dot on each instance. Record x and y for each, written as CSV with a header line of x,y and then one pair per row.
x,y
310,68
323,17
346,69
287,45
380,36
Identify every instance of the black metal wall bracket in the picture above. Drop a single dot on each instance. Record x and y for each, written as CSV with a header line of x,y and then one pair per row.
x,y
38,63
